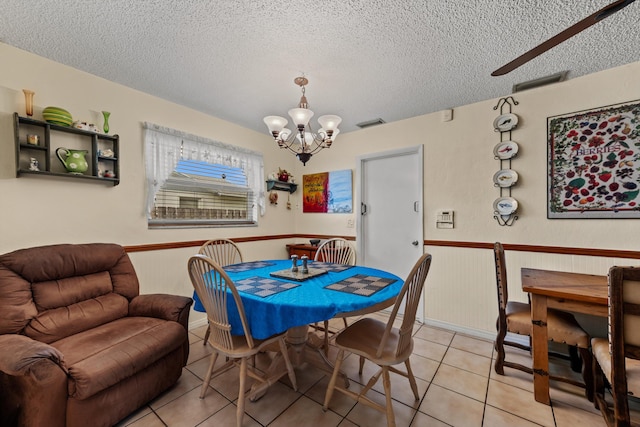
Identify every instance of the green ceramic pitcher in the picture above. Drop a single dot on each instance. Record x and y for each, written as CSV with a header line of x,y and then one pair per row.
x,y
73,160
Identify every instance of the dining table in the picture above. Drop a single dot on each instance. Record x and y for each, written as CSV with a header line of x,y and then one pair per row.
x,y
276,300
567,291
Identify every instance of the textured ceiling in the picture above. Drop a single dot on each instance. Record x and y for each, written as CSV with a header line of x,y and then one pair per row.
x,y
393,59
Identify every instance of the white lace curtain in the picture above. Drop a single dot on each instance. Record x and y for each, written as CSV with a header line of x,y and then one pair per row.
x,y
164,147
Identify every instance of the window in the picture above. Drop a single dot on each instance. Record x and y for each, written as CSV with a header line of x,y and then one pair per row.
x,y
196,182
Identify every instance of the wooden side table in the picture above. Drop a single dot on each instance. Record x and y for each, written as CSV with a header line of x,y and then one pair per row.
x,y
302,249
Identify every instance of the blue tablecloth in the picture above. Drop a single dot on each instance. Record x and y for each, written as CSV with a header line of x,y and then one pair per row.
x,y
308,303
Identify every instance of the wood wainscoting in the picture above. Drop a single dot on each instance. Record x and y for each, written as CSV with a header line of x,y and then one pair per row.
x,y
608,253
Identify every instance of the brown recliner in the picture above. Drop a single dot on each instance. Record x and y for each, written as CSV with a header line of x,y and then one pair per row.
x,y
78,345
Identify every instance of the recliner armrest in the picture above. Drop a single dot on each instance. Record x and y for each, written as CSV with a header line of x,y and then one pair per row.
x,y
33,383
20,355
162,306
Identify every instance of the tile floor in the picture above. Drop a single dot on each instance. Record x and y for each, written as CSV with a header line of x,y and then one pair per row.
x,y
454,372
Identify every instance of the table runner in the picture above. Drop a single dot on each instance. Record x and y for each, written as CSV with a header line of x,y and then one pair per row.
x,y
329,266
361,284
263,287
246,266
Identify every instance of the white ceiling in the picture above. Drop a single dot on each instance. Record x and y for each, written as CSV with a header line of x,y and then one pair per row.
x,y
393,59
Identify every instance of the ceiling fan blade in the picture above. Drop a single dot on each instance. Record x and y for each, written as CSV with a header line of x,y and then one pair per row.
x,y
564,35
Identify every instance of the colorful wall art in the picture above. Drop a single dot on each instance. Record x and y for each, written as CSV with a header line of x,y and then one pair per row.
x,y
327,192
594,163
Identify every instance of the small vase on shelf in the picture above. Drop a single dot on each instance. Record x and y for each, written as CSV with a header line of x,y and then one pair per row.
x,y
28,99
106,115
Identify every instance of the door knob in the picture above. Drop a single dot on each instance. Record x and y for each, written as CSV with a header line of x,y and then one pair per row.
x,y
415,243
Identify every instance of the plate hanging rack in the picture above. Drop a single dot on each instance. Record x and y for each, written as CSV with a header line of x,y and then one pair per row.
x,y
505,104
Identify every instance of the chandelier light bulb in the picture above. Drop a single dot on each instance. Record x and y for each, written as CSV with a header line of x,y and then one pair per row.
x,y
275,124
329,122
300,116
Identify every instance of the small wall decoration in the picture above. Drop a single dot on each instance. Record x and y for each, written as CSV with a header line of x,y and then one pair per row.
x,y
327,192
594,163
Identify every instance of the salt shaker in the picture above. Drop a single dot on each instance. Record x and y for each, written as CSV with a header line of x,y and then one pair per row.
x,y
294,263
304,259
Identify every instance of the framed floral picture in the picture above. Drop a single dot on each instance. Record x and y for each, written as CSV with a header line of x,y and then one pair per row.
x,y
594,163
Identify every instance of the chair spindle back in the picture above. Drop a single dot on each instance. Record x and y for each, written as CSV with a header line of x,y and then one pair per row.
x,y
222,251
410,294
214,287
338,251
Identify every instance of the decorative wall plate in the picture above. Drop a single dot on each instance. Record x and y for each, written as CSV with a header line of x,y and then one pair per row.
x,y
505,178
505,205
505,150
505,122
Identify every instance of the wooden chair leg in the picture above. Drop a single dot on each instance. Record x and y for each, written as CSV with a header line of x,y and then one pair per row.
x,y
576,361
386,382
620,408
326,338
332,381
207,379
412,379
206,335
587,372
243,380
598,385
499,346
361,365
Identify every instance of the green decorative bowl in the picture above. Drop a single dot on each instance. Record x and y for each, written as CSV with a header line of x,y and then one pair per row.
x,y
57,116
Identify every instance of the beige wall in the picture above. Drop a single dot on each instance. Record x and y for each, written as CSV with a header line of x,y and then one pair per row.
x,y
458,165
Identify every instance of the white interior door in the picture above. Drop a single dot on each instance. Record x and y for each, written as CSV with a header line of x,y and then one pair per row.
x,y
390,224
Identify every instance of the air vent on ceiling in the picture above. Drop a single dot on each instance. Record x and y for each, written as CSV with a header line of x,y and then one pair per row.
x,y
373,122
542,81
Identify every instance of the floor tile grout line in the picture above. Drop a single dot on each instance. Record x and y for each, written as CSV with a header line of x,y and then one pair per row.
x,y
415,408
431,383
486,394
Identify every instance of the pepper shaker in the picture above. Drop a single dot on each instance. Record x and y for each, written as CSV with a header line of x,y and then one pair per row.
x,y
304,259
294,263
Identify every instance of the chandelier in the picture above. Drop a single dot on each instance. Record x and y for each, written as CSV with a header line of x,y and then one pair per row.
x,y
303,141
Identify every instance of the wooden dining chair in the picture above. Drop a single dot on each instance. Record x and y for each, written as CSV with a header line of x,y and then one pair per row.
x,y
618,358
337,251
515,317
383,344
217,292
224,252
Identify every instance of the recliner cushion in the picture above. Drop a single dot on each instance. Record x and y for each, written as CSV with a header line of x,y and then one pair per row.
x,y
103,356
55,324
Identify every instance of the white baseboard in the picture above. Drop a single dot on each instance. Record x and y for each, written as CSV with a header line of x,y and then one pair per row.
x,y
462,329
429,322
197,323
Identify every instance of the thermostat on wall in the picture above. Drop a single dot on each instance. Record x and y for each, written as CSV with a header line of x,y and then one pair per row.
x,y
444,219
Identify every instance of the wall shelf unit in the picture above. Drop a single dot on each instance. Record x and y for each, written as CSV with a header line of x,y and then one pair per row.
x,y
50,137
281,185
